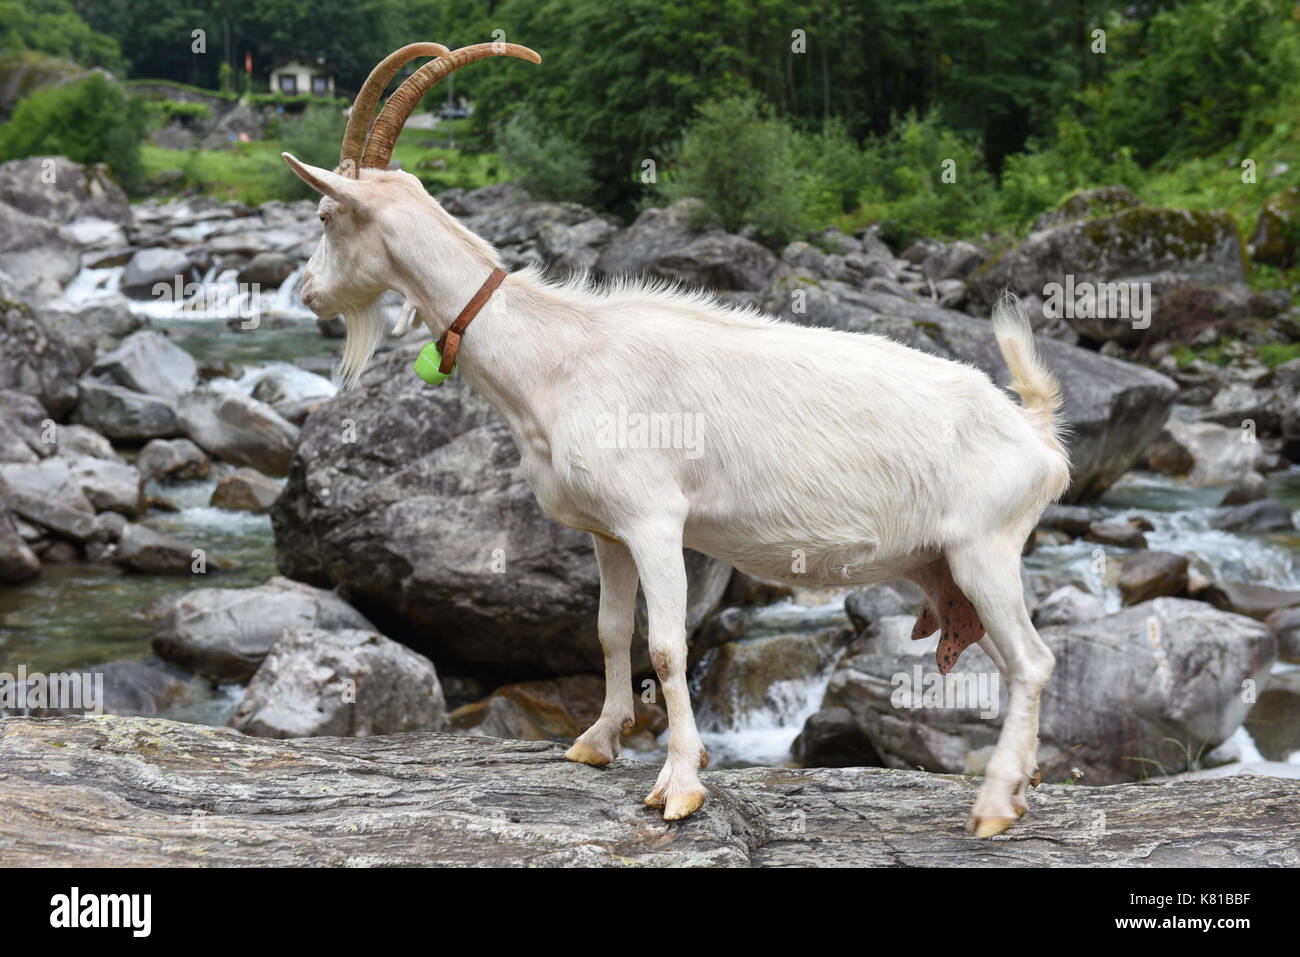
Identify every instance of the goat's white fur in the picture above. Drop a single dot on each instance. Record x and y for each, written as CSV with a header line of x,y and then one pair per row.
x,y
828,458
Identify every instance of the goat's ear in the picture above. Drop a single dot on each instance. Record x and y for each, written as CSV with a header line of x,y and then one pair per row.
x,y
339,188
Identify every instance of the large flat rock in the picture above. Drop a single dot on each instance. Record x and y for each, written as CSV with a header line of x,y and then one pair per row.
x,y
110,791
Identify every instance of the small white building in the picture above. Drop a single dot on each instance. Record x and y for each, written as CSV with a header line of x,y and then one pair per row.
x,y
302,77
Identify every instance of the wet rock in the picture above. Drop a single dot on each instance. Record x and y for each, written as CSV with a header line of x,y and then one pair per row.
x,y
122,414
832,739
156,266
1074,520
438,800
17,561
1244,598
268,269
178,459
1285,623
1116,532
420,515
227,632
247,490
34,361
238,429
141,549
1266,515
1146,575
1168,456
151,363
1066,605
1274,722
1221,454
349,683
1250,488
139,687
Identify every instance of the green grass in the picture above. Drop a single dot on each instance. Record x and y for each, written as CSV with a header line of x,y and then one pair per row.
x,y
251,172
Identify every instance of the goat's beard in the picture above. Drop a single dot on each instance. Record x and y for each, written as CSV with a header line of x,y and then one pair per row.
x,y
365,330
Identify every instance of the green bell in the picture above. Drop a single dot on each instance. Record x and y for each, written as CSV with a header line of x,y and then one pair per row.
x,y
428,363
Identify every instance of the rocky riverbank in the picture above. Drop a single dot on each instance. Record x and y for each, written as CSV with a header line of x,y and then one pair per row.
x,y
113,792
188,508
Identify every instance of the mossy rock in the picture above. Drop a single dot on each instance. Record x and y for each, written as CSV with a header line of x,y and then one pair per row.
x,y
1088,204
1165,247
1276,239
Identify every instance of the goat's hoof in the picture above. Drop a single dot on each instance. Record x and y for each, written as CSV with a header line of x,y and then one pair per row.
x,y
586,754
1036,778
683,805
984,827
656,797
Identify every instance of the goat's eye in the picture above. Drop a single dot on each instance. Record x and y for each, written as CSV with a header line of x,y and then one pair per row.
x,y
324,219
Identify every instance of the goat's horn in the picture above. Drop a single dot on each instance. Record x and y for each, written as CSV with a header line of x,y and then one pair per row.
x,y
363,108
383,137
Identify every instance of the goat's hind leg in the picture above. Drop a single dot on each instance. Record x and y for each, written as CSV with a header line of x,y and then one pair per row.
x,y
989,575
657,549
599,744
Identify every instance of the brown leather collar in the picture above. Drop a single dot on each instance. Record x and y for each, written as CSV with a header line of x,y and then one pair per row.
x,y
450,340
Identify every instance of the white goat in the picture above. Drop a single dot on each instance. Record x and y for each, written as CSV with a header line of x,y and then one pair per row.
x,y
827,458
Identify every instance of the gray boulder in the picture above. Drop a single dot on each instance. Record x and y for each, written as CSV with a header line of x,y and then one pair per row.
x,y
246,490
350,683
1166,247
238,429
34,361
677,242
57,189
172,459
227,632
1066,605
38,257
1142,692
155,265
142,549
17,561
92,327
151,363
48,494
123,414
110,486
412,498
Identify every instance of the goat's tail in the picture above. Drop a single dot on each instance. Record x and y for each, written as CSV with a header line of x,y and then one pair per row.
x,y
1039,389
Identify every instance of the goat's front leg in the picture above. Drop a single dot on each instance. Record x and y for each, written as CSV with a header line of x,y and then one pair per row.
x,y
599,744
658,554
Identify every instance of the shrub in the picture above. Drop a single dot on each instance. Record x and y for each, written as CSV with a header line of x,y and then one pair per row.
x,y
313,136
740,161
906,189
546,164
90,121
